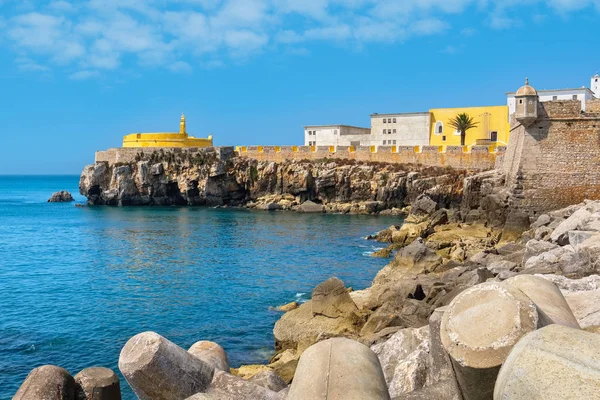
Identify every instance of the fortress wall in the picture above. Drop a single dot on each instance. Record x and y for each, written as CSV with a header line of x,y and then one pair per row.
x,y
556,159
479,158
592,106
123,155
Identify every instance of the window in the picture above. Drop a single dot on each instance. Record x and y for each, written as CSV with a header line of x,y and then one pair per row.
x,y
554,98
443,138
394,131
394,120
574,97
493,136
385,120
394,142
439,128
520,101
384,142
384,131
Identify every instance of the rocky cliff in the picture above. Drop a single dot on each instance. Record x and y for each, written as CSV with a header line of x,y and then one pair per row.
x,y
218,177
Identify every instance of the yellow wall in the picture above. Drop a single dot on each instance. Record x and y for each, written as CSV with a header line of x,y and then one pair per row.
x,y
496,120
165,139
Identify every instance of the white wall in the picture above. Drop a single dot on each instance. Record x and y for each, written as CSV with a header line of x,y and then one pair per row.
x,y
339,135
595,85
410,129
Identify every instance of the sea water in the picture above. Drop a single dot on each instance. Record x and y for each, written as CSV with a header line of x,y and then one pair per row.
x,y
77,282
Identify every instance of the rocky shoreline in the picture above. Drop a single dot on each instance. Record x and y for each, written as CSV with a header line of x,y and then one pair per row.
x,y
432,319
218,177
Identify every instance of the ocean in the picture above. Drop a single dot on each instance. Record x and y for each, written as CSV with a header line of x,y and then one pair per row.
x,y
77,282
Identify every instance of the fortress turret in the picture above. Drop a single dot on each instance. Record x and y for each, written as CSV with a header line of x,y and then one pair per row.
x,y
595,86
182,124
526,104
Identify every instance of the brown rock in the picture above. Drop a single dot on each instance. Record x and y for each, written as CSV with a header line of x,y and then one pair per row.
x,y
331,299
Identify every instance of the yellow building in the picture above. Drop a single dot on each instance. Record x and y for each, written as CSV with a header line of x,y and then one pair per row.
x,y
166,139
492,128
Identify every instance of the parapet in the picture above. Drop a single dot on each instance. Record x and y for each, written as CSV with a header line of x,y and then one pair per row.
x,y
475,158
122,155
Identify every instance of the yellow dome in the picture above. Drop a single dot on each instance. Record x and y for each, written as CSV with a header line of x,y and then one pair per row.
x,y
526,90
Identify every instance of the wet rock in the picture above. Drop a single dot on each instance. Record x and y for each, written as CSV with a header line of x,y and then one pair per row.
x,y
47,382
97,383
211,353
156,368
61,197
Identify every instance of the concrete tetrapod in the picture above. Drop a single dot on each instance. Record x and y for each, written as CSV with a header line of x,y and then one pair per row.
x,y
555,362
479,328
157,369
338,369
47,382
551,304
211,353
97,383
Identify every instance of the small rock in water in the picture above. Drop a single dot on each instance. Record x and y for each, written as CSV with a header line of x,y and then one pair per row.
x,y
287,307
61,197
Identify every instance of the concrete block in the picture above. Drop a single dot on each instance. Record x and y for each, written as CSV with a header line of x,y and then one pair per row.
x,y
47,382
337,369
157,369
269,380
478,330
97,383
551,304
555,362
211,353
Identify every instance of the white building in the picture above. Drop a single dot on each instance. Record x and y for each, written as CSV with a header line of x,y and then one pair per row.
x,y
582,94
407,129
411,129
336,135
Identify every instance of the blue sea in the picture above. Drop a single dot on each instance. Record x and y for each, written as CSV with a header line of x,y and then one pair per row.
x,y
77,282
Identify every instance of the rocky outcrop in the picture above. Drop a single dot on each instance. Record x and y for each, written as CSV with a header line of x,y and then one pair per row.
x,y
218,177
61,197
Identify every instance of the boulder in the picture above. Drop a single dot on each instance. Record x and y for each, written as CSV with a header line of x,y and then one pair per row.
x,y
542,220
444,390
404,360
331,299
248,371
284,364
578,237
310,207
396,312
440,366
338,369
157,369
211,353
413,259
536,247
478,330
561,261
583,297
47,382
97,383
555,362
269,380
423,205
287,307
577,219
240,389
61,197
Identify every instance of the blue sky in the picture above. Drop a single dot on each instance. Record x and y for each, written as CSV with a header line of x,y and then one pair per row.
x,y
76,76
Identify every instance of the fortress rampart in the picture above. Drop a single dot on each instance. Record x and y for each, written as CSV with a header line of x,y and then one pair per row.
x,y
477,158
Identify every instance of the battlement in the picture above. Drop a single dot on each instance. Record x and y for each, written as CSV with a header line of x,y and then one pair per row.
x,y
475,158
126,155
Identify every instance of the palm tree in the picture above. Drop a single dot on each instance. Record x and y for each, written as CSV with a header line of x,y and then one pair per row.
x,y
462,123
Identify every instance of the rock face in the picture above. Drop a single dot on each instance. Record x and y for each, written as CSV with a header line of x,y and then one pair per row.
x,y
47,382
61,197
216,176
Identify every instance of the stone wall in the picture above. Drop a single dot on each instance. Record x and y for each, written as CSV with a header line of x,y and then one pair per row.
x,y
122,155
592,106
554,162
479,158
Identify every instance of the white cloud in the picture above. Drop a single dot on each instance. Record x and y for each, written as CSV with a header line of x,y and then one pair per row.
x,y
93,35
83,75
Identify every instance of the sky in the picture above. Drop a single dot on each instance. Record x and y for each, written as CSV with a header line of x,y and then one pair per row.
x,y
78,75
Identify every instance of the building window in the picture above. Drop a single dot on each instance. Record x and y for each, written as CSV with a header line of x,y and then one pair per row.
x,y
443,138
439,128
394,142
493,136
554,98
385,120
384,131
384,142
520,101
394,131
394,120
574,97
